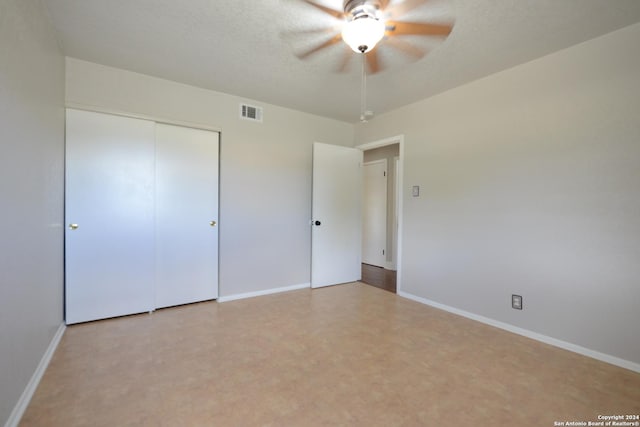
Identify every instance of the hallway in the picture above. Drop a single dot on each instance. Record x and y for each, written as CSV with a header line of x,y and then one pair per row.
x,y
379,277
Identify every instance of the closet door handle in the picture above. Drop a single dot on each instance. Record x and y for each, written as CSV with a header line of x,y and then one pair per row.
x,y
213,223
73,226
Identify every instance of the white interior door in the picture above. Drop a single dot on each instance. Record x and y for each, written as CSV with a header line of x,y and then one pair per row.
x,y
109,210
374,213
336,215
186,215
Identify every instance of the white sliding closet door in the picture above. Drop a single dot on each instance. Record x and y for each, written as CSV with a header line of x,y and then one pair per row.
x,y
186,215
109,210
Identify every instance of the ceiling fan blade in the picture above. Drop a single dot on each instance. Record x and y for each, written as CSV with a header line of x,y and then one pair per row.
x,y
335,13
373,61
406,47
399,28
384,4
309,31
333,40
400,9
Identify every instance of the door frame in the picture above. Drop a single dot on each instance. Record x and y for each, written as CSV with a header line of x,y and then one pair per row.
x,y
399,139
397,192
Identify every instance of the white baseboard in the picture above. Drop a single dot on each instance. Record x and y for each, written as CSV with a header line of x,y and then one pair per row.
x,y
265,292
632,366
27,394
390,265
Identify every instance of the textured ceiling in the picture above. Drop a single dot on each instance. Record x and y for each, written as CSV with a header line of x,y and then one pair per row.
x,y
247,47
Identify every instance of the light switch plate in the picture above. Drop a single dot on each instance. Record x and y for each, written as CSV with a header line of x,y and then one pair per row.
x,y
416,191
516,302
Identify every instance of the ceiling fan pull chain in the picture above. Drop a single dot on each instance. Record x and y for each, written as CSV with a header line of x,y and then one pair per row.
x,y
363,91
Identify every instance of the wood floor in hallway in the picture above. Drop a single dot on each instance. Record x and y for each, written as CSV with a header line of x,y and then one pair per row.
x,y
348,355
379,277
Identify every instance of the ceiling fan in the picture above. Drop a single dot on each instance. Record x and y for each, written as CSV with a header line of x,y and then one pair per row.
x,y
365,23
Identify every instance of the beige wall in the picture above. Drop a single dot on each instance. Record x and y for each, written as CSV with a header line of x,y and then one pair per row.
x,y
388,152
530,185
31,186
265,169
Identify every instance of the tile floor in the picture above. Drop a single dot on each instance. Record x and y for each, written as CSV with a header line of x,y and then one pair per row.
x,y
348,355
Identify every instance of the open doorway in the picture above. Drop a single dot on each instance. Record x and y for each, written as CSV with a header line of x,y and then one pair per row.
x,y
381,176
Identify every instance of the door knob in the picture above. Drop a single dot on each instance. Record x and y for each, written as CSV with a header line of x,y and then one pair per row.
x,y
73,226
317,223
212,223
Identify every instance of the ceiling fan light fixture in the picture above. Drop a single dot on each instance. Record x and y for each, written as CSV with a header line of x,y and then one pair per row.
x,y
363,33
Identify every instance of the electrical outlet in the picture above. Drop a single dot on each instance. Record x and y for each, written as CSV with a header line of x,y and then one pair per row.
x,y
516,302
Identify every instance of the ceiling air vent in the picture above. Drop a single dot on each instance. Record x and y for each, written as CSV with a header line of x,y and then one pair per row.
x,y
250,112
